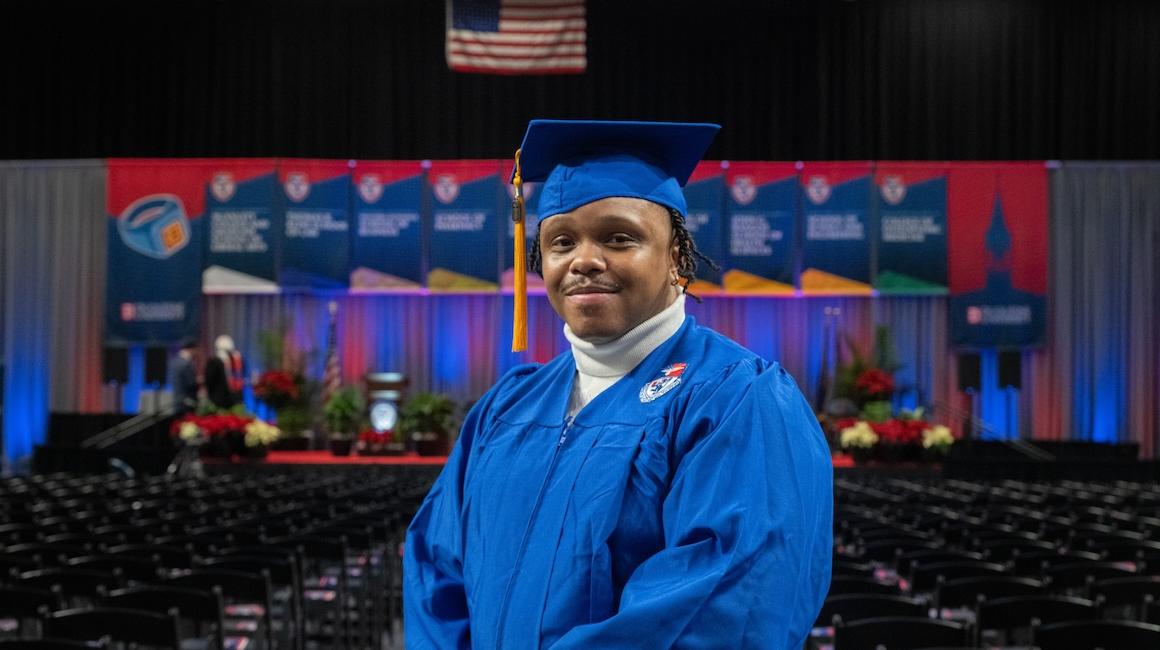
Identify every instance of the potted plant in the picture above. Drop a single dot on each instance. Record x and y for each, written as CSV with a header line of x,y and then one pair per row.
x,y
425,420
937,442
858,440
286,393
226,434
343,413
380,443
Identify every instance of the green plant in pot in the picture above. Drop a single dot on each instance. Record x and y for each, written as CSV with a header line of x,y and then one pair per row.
x,y
343,413
426,421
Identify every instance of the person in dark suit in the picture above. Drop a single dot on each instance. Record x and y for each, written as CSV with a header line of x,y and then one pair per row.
x,y
224,374
183,378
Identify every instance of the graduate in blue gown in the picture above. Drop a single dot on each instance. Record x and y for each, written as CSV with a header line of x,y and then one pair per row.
x,y
658,486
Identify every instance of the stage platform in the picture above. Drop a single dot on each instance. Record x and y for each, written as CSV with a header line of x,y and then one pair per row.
x,y
323,457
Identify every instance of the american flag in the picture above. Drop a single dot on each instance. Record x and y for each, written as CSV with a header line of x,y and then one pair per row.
x,y
517,36
332,373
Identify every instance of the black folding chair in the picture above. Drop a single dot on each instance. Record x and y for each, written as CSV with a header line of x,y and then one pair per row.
x,y
855,607
1096,635
1004,550
1033,563
924,577
1126,597
169,558
965,592
848,568
246,598
78,587
50,644
281,566
132,569
25,607
1076,577
905,561
124,625
324,561
898,633
1009,617
199,611
841,585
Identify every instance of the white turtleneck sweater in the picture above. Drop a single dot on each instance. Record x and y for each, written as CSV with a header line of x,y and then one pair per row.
x,y
600,365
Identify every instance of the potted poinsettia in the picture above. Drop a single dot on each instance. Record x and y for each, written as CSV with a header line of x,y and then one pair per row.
x,y
286,393
380,443
224,434
858,440
937,441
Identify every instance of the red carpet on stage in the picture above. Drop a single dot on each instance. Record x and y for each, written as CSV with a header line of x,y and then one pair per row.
x,y
327,458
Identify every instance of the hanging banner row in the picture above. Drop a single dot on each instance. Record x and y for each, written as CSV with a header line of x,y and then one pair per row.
x,y
179,228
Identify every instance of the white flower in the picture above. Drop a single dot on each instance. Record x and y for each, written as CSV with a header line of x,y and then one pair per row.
x,y
260,432
189,432
859,435
938,436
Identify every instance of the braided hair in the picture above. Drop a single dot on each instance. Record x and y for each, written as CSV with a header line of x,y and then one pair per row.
x,y
687,253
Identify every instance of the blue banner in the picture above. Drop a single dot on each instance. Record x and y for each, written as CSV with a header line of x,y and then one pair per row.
x,y
761,229
155,236
465,225
911,236
836,229
315,202
705,196
245,232
387,242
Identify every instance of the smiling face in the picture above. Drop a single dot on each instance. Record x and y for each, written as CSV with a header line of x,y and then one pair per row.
x,y
608,265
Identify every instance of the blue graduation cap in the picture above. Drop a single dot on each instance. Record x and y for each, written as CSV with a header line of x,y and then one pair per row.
x,y
581,161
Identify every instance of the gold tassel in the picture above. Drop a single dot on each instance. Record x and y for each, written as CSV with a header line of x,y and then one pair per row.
x,y
520,317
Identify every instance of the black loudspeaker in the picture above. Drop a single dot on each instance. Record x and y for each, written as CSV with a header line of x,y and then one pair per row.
x,y
155,365
115,365
1010,369
970,377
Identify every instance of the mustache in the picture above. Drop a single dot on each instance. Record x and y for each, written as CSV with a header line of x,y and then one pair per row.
x,y
586,285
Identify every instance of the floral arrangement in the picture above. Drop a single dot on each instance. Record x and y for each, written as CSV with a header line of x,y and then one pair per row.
x,y
874,384
371,442
908,432
938,439
202,427
225,434
859,435
261,433
278,388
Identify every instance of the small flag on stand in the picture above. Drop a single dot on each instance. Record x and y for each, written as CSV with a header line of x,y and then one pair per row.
x,y
332,373
514,37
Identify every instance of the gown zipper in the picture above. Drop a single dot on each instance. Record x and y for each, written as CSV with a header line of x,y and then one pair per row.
x,y
528,531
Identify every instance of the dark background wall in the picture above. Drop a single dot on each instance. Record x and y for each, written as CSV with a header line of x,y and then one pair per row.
x,y
832,79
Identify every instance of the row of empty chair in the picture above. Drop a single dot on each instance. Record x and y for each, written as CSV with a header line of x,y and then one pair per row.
x,y
932,563
304,559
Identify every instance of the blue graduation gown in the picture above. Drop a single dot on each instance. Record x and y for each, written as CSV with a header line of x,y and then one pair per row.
x,y
683,507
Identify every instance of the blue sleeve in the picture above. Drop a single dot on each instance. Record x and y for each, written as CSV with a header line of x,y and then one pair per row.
x,y
434,601
748,526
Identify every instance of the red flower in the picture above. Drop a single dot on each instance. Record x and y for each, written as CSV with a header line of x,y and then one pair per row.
x,y
277,388
213,425
875,383
372,437
844,423
890,431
